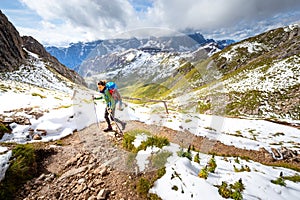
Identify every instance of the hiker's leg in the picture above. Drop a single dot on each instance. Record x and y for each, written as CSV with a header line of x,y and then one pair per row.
x,y
107,118
118,120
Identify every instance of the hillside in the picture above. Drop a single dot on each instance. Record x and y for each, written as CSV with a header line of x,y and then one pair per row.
x,y
14,52
257,77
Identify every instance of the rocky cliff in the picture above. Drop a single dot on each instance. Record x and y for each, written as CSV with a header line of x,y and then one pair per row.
x,y
13,52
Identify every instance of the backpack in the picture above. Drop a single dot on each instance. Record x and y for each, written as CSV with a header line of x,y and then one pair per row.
x,y
112,88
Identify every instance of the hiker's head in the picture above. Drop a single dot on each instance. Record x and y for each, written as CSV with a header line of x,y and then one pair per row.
x,y
101,85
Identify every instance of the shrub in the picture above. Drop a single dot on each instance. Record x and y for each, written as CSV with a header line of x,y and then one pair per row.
x,y
197,158
154,141
143,187
186,154
203,173
161,172
212,165
128,139
233,191
243,169
279,181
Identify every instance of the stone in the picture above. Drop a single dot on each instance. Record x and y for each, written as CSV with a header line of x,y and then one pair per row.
x,y
102,194
37,137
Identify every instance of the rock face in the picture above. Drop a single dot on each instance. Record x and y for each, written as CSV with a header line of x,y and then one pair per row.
x,y
34,46
13,54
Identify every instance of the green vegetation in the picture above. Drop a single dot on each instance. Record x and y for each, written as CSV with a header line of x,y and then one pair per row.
x,y
144,184
187,154
128,139
203,173
23,167
279,181
151,91
295,178
160,159
212,165
242,169
4,129
4,88
153,141
38,95
202,107
130,136
197,158
233,191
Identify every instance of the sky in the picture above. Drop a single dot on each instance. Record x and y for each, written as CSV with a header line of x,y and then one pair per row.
x,y
58,23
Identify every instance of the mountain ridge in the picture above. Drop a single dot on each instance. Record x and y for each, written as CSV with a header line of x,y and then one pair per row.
x,y
87,50
13,52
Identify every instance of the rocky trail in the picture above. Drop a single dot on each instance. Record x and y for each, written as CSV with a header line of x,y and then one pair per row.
x,y
91,164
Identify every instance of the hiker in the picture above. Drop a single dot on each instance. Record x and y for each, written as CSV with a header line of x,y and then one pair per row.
x,y
110,97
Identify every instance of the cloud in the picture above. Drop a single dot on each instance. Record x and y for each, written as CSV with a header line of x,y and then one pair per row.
x,y
99,19
203,14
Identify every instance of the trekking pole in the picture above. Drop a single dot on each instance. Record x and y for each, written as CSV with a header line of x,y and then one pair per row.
x,y
96,113
112,117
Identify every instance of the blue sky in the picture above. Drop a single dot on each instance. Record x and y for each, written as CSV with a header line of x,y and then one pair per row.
x,y
57,22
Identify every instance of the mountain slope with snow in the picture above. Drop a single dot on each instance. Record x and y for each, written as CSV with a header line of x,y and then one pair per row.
x,y
257,77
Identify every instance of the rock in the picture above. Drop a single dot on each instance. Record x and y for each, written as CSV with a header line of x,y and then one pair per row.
x,y
80,188
102,194
43,132
8,120
80,181
103,171
72,172
92,197
37,137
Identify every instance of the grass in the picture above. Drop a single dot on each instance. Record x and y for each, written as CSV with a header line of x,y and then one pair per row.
x,y
160,159
144,184
23,167
3,129
129,138
295,178
154,141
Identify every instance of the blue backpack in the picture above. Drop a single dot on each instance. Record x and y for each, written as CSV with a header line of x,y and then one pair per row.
x,y
111,86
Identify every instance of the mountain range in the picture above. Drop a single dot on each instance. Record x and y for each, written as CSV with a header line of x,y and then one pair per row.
x,y
76,53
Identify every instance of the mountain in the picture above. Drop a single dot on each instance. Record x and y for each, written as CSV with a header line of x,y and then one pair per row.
x,y
16,53
256,77
74,55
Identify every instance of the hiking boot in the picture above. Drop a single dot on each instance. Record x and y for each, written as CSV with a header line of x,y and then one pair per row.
x,y
108,129
123,125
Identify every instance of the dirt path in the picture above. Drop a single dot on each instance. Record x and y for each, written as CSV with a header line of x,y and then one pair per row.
x,y
103,164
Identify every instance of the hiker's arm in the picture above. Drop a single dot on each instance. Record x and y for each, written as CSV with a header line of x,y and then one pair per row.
x,y
98,98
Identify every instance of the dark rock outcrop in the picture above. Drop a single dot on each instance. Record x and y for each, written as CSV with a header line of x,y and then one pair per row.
x,y
13,54
34,46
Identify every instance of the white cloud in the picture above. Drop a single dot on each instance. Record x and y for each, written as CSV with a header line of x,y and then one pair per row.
x,y
82,20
